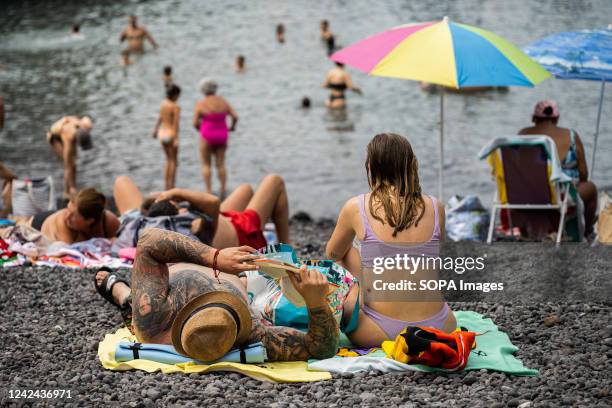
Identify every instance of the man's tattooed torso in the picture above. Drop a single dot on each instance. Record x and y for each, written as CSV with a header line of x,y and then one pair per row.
x,y
158,296
185,285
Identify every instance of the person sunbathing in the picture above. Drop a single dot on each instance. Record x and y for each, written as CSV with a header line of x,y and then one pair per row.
x,y
84,218
200,307
394,218
238,220
571,152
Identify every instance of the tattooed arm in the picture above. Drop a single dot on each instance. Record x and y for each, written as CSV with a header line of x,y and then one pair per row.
x,y
287,344
153,307
321,340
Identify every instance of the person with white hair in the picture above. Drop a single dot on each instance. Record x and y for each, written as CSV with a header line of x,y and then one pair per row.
x,y
63,137
209,119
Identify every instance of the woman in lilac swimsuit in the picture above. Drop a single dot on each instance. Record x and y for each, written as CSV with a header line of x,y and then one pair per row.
x,y
209,120
394,218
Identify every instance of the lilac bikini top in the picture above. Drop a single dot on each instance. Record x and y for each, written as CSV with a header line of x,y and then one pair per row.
x,y
372,247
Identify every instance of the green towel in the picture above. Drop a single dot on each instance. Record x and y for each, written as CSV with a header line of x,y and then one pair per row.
x,y
493,351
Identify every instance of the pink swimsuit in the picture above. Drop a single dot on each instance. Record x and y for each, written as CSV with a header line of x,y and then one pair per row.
x,y
372,247
213,129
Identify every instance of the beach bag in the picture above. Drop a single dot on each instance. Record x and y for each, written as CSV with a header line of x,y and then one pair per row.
x,y
32,196
466,219
129,233
604,222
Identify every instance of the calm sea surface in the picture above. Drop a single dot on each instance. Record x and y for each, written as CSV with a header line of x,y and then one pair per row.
x,y
45,74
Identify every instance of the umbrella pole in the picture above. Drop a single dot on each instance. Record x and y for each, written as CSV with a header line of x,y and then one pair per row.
x,y
441,147
601,95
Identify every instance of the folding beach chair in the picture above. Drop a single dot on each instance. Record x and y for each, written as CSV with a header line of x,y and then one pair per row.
x,y
529,179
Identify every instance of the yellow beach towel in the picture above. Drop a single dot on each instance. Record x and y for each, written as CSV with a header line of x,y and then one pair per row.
x,y
295,371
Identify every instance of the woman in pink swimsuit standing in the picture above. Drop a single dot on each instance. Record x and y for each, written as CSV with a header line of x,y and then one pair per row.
x,y
209,119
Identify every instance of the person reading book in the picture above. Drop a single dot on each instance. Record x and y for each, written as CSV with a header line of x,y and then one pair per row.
x,y
200,307
275,299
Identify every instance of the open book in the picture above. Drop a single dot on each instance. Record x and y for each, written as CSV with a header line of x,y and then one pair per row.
x,y
274,268
279,270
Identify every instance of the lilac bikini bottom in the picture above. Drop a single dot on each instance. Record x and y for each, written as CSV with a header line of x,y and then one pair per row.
x,y
392,327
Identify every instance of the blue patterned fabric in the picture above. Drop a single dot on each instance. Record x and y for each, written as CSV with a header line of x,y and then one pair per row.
x,y
583,54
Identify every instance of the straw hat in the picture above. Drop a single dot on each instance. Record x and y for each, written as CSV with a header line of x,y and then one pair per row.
x,y
210,325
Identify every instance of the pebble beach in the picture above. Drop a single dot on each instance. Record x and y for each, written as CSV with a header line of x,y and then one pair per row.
x,y
53,321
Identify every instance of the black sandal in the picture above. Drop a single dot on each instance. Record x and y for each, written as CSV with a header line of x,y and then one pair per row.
x,y
105,289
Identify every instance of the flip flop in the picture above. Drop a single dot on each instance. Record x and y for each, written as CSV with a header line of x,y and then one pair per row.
x,y
105,289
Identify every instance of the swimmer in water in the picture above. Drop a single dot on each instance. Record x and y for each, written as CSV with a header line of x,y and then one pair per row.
x,y
135,35
337,81
167,132
305,102
280,33
327,37
75,31
167,77
240,64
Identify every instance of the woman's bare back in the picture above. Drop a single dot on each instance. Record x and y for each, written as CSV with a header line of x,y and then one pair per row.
x,y
213,104
560,135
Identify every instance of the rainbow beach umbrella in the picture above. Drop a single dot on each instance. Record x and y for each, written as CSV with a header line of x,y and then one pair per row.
x,y
444,53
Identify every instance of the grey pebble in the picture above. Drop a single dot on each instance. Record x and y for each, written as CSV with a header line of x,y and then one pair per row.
x,y
574,362
470,379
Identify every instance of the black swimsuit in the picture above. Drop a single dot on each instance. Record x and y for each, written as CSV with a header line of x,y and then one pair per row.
x,y
337,87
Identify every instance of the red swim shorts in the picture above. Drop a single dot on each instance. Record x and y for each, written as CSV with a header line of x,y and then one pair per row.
x,y
248,227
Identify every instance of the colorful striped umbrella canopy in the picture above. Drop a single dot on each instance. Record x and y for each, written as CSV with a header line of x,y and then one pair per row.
x,y
444,53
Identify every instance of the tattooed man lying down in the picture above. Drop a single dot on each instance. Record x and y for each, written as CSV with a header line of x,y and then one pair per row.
x,y
204,312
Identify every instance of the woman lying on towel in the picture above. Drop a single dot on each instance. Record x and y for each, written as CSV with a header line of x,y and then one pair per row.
x,y
238,220
394,218
84,218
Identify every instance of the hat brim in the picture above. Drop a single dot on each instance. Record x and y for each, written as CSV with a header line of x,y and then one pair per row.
x,y
227,298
